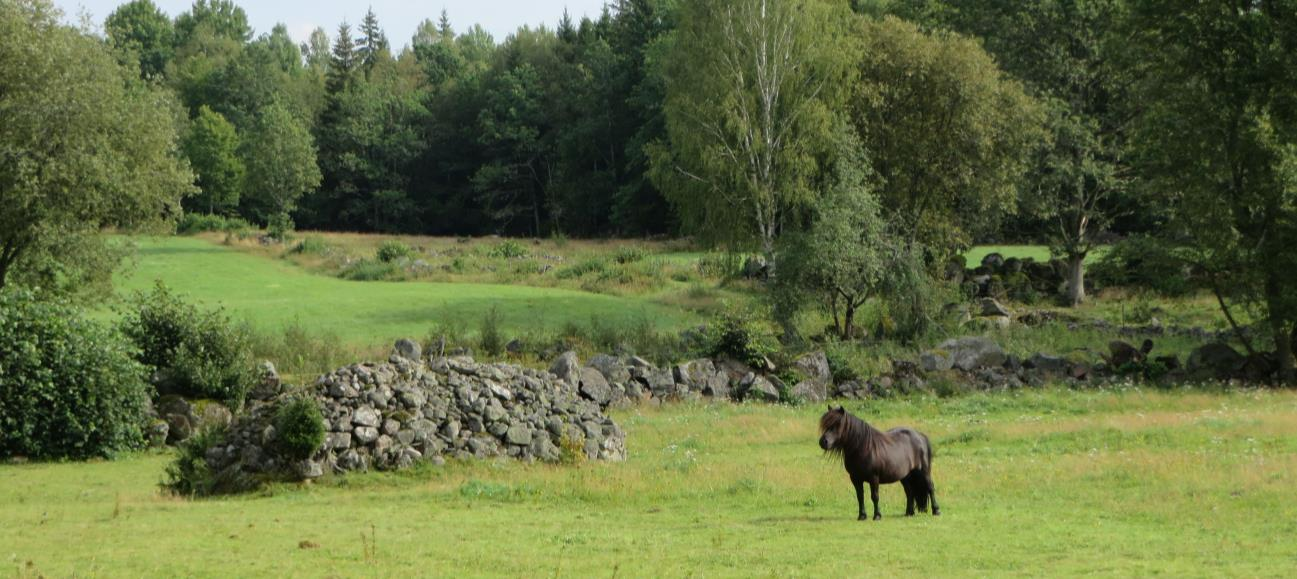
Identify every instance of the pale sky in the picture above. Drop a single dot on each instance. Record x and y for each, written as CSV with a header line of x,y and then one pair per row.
x,y
398,18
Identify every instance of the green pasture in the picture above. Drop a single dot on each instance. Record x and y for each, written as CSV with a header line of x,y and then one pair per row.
x,y
272,293
1036,483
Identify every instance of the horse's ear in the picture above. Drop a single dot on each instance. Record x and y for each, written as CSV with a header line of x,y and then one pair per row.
x,y
830,408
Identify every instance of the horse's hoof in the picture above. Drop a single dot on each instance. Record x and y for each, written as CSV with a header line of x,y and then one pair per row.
x,y
936,513
909,514
878,517
862,518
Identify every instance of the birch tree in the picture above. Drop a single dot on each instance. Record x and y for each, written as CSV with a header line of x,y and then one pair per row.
x,y
751,86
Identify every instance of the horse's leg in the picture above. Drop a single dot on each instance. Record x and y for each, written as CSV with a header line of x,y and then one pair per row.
x,y
873,494
932,493
908,484
920,491
860,497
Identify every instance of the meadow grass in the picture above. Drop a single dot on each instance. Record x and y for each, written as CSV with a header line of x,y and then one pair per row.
x,y
273,294
1032,483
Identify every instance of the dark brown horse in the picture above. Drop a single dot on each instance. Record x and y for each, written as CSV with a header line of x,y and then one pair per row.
x,y
872,456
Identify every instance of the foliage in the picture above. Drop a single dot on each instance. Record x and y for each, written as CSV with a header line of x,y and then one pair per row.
x,y
392,250
509,249
751,92
1217,139
69,387
85,145
1145,262
194,223
281,165
948,133
489,336
299,428
188,474
212,147
371,270
196,353
143,34
741,334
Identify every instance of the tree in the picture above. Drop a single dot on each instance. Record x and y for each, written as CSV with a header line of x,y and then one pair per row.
x,y
1217,139
212,147
751,90
1065,52
840,259
343,63
316,51
84,145
222,18
948,134
139,29
281,164
372,45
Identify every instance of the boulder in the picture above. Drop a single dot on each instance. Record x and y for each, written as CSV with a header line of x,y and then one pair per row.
x,y
759,388
594,386
613,368
811,390
1216,359
756,267
972,353
407,349
1046,363
814,366
1121,353
990,307
993,261
936,361
566,367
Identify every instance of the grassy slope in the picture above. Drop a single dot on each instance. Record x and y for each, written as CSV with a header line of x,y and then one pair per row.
x,y
1052,483
272,293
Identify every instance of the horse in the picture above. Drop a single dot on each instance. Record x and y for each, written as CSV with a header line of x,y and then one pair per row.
x,y
872,456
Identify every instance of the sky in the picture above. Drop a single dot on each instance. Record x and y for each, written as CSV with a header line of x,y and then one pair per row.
x,y
398,17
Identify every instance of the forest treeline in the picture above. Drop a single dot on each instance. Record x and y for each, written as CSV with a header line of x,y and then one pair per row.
x,y
888,134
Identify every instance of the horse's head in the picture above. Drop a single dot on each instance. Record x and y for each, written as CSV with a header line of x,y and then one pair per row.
x,y
831,425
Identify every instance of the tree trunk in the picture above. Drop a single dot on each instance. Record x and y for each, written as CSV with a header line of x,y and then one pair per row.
x,y
1076,279
1283,352
849,322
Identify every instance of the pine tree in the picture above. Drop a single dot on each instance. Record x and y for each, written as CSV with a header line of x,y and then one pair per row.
x,y
372,44
342,65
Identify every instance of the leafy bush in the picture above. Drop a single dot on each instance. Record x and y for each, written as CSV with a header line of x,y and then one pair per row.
x,y
740,334
392,250
1145,263
720,265
193,223
508,250
69,387
188,475
279,226
299,428
196,353
311,244
371,270
581,269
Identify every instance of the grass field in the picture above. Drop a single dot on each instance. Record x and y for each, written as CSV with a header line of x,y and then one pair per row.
x,y
1040,483
271,293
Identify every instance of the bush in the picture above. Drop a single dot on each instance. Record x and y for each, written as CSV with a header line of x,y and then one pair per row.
x,y
1142,262
392,250
197,354
279,226
508,250
188,475
311,245
69,387
739,334
193,223
490,339
371,270
299,428
628,254
581,269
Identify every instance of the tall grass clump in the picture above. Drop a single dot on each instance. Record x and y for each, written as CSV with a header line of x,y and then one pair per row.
x,y
391,251
490,338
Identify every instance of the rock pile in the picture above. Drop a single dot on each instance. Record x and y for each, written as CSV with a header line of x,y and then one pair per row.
x,y
391,415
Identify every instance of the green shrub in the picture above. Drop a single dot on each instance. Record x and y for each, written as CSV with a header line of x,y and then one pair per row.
x,y
392,250
490,339
299,428
720,265
742,335
596,265
371,270
279,226
510,249
311,244
69,387
1143,262
196,353
193,223
189,475
628,254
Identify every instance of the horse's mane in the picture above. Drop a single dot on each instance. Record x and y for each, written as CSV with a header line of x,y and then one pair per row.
x,y
851,432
